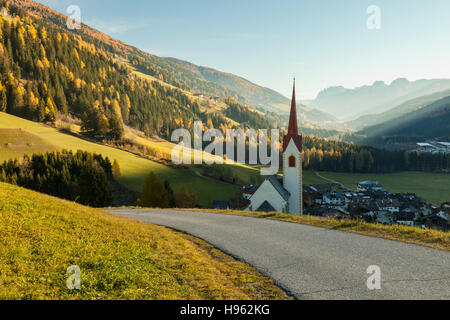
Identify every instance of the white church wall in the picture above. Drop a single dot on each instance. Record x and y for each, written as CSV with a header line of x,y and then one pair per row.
x,y
267,192
292,177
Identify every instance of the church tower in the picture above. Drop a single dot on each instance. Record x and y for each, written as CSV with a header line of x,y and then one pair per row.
x,y
292,162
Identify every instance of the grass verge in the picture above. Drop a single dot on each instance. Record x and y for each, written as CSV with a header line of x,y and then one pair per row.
x,y
119,258
426,237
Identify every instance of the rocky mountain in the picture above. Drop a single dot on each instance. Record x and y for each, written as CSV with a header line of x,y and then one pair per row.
x,y
349,104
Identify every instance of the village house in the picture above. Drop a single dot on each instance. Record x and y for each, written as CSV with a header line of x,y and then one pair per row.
x,y
368,185
248,191
405,218
335,199
433,147
412,211
391,205
384,217
221,204
440,220
426,210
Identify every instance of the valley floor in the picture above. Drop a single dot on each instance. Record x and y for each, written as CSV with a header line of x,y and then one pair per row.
x,y
432,187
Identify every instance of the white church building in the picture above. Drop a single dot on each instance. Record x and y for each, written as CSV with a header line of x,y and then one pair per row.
x,y
286,195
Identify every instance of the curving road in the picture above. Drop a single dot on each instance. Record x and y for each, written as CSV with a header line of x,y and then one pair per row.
x,y
316,263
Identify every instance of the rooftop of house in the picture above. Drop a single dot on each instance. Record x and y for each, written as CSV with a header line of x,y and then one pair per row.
x,y
409,209
220,204
424,144
368,183
335,195
250,188
404,216
388,203
279,187
320,187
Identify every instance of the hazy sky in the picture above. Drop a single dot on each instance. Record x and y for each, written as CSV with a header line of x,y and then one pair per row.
x,y
322,42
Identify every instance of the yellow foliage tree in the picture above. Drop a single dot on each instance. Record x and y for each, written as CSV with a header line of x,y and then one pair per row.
x,y
44,34
32,32
116,108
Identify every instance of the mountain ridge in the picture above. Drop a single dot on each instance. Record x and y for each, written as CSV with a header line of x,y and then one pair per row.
x,y
398,111
59,19
174,71
431,121
351,103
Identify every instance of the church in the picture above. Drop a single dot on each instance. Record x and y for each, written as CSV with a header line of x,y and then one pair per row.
x,y
286,195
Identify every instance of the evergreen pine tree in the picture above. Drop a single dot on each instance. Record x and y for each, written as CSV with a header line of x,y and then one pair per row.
x,y
184,199
154,193
116,170
171,194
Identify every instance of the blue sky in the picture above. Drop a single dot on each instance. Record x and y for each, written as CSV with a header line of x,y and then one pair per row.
x,y
322,42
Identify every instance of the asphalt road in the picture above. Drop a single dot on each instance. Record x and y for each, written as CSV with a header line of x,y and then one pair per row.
x,y
316,263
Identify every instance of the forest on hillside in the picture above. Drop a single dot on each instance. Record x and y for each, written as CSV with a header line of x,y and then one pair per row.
x,y
82,176
46,71
319,154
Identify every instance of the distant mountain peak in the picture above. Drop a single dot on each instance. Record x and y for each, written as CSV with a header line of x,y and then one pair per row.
x,y
400,80
379,97
379,84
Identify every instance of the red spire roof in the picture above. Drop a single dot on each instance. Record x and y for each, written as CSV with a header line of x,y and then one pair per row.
x,y
293,127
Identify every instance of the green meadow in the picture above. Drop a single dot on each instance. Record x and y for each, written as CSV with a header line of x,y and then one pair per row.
x,y
134,169
433,187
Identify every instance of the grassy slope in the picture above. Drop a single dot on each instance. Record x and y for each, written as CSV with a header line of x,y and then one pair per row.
x,y
119,258
433,187
134,169
428,237
15,141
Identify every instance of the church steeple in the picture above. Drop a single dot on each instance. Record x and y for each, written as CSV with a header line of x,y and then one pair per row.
x,y
293,127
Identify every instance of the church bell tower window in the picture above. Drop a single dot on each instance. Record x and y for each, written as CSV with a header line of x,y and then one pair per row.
x,y
292,162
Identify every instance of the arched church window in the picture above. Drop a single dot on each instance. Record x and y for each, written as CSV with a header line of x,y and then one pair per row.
x,y
292,162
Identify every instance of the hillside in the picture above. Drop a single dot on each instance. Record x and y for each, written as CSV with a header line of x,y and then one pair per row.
x,y
351,103
47,70
198,80
134,169
17,142
404,108
181,74
119,258
432,121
